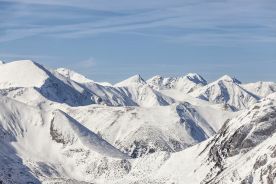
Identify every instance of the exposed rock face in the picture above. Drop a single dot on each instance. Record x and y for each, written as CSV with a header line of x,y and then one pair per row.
x,y
248,135
239,137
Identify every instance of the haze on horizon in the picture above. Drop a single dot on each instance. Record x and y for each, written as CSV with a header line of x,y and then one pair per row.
x,y
109,41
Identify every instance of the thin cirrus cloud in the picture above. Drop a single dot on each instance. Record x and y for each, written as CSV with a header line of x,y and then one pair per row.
x,y
87,64
205,22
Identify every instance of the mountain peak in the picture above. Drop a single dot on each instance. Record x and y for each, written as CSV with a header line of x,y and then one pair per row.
x,y
196,78
156,77
184,84
22,73
73,75
226,90
25,61
228,78
136,79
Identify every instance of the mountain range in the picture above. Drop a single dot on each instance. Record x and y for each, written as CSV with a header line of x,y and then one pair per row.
x,y
58,126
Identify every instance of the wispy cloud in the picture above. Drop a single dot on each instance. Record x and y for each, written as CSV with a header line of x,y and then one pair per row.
x,y
86,64
197,22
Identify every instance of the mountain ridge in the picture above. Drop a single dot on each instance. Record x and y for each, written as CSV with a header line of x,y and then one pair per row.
x,y
57,126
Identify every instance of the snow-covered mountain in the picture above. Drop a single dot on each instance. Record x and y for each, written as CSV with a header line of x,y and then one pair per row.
x,y
57,126
135,80
130,92
137,89
46,143
227,91
72,75
261,89
243,151
138,131
185,84
32,83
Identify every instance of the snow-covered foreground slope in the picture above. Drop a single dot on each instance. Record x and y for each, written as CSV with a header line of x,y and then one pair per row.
x,y
57,126
243,151
36,143
138,131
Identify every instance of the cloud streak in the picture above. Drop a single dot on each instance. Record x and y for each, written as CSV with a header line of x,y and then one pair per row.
x,y
197,22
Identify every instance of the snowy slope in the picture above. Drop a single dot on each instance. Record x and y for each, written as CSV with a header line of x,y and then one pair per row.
x,y
22,74
26,122
106,93
261,89
139,91
243,151
131,81
139,131
74,76
185,84
32,83
37,143
227,91
51,144
60,127
131,92
27,80
111,96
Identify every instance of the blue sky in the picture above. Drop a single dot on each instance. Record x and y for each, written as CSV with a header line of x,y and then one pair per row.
x,y
110,40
